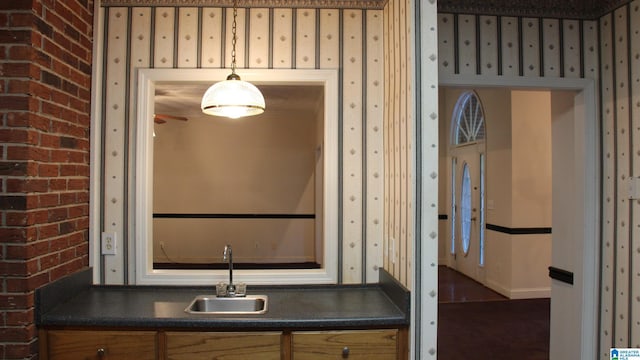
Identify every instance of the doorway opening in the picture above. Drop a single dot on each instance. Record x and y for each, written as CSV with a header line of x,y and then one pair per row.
x,y
577,192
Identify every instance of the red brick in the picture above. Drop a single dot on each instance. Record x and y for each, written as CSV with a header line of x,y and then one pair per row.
x,y
48,200
18,118
48,231
17,301
18,334
15,36
16,5
49,261
58,184
51,109
26,218
49,140
22,20
27,153
40,91
83,196
14,102
18,86
39,122
14,168
13,234
14,202
21,350
57,214
64,99
68,170
83,223
67,255
20,52
60,156
68,198
27,251
21,136
48,170
59,243
82,249
19,69
18,268
20,317
78,211
27,186
16,285
78,184
66,227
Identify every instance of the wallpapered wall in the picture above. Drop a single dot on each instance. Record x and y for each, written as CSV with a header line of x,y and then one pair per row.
x,y
607,50
192,37
399,134
620,106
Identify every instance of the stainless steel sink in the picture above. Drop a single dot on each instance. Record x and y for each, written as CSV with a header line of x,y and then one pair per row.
x,y
211,304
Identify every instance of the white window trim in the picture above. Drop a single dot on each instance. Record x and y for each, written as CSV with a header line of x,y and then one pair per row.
x,y
142,262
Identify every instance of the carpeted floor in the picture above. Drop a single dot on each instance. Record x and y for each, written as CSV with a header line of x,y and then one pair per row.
x,y
494,330
476,324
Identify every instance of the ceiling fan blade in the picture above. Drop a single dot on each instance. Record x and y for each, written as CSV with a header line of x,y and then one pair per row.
x,y
158,121
169,117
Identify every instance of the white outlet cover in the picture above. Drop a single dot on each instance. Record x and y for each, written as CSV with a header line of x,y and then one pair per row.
x,y
108,243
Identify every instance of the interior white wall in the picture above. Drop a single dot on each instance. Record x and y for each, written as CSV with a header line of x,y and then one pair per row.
x,y
531,192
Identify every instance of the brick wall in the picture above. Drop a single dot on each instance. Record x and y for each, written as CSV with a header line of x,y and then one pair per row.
x,y
45,87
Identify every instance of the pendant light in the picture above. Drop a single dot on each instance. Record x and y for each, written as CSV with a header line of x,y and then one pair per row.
x,y
233,98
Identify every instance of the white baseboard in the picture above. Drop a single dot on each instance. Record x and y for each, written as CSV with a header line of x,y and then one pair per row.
x,y
531,293
522,293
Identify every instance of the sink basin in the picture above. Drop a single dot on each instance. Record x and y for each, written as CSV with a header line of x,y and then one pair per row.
x,y
211,304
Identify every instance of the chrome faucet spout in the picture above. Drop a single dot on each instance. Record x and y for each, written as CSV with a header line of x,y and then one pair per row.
x,y
228,256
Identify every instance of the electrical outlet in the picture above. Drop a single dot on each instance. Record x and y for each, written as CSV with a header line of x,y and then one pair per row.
x,y
109,243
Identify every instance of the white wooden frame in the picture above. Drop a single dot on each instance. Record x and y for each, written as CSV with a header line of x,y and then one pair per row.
x,y
142,262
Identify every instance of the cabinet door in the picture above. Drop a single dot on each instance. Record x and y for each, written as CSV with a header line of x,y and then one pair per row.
x,y
360,345
101,345
228,346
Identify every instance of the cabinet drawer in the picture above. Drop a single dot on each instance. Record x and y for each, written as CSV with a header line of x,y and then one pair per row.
x,y
360,345
228,346
84,345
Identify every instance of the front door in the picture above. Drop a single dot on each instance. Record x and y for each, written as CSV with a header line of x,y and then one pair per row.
x,y
468,204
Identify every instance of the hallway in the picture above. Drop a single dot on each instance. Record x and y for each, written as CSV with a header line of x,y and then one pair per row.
x,y
477,323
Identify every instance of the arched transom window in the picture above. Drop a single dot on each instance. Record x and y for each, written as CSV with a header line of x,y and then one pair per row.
x,y
468,120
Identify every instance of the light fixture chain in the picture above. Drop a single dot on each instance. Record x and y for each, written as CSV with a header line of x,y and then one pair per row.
x,y
234,38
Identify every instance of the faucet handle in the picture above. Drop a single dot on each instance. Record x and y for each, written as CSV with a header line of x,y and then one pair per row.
x,y
221,289
241,289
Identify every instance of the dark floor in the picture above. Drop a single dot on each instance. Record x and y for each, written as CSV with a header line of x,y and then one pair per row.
x,y
453,287
477,323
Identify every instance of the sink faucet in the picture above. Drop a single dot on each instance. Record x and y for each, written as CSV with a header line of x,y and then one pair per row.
x,y
228,256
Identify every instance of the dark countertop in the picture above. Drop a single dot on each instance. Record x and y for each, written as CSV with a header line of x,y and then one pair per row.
x,y
289,307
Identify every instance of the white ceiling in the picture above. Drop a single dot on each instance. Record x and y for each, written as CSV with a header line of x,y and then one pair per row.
x,y
183,99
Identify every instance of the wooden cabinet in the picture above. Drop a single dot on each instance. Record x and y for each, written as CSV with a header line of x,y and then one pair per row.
x,y
168,344
228,346
97,344
357,344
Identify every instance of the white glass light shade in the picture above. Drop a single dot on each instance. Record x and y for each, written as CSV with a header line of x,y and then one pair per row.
x,y
233,98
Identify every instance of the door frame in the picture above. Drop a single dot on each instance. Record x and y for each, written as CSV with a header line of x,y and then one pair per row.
x,y
589,165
